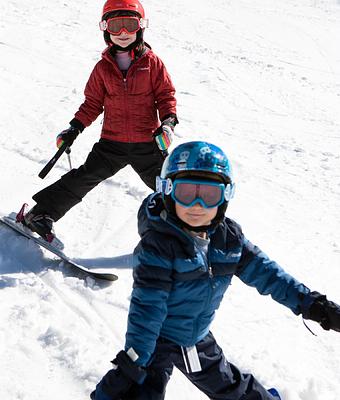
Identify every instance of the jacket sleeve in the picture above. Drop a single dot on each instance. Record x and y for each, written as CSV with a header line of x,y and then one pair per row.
x,y
94,97
164,90
148,306
257,270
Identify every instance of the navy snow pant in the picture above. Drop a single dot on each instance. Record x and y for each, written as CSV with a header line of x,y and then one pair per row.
x,y
105,160
218,378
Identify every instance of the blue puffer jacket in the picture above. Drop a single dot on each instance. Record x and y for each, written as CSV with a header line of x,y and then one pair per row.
x,y
176,292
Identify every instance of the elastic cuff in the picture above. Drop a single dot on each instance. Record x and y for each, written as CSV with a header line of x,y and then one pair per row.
x,y
75,123
307,301
174,116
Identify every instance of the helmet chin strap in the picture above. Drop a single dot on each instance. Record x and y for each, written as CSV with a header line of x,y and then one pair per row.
x,y
203,228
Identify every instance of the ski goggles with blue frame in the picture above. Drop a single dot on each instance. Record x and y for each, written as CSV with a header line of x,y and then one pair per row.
x,y
188,192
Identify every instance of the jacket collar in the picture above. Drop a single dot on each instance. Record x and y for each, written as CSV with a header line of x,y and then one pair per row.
x,y
152,215
106,55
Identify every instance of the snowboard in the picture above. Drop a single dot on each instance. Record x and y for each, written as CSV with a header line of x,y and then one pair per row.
x,y
95,273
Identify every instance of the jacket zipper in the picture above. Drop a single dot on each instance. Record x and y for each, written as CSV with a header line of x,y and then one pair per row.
x,y
125,86
125,83
211,274
126,106
210,271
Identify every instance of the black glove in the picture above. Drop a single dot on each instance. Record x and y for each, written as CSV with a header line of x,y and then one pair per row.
x,y
119,379
321,310
67,136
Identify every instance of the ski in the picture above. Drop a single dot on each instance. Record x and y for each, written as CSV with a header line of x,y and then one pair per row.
x,y
95,273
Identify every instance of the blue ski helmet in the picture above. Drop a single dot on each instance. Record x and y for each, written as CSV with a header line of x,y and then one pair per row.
x,y
196,159
200,157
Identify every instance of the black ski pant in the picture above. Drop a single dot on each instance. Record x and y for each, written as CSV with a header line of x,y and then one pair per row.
x,y
218,378
105,160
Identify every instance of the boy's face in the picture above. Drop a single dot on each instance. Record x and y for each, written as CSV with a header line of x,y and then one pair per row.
x,y
196,215
124,39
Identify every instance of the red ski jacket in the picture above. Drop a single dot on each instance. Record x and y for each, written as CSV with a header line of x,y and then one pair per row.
x,y
132,105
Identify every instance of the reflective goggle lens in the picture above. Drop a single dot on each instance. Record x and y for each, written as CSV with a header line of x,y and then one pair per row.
x,y
117,25
188,193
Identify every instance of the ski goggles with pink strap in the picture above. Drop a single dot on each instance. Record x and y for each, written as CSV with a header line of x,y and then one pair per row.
x,y
115,26
188,192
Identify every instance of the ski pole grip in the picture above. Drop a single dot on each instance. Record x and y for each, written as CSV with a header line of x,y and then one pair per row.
x,y
52,161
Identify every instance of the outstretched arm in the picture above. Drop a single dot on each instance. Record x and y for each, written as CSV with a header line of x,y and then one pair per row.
x,y
258,271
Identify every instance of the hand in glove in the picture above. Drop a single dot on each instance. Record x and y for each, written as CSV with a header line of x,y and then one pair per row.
x,y
67,136
163,135
317,308
119,380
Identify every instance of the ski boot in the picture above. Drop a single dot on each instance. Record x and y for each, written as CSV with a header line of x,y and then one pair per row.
x,y
274,393
40,223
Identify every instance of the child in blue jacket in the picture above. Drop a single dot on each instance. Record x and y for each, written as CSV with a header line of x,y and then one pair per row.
x,y
188,254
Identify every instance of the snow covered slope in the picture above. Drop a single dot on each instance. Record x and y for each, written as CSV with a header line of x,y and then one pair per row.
x,y
261,78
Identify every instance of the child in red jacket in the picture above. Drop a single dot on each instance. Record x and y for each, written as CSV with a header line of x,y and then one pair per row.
x,y
131,85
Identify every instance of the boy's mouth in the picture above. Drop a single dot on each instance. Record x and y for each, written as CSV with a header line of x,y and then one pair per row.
x,y
195,215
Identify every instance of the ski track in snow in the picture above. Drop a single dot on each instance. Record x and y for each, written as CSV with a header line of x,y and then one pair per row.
x,y
259,78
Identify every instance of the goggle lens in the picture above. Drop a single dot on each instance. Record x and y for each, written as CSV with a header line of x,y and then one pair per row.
x,y
208,194
117,25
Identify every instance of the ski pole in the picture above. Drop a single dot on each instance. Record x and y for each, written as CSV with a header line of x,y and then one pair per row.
x,y
68,152
52,161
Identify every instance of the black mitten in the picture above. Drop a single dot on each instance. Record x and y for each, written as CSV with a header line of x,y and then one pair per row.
x,y
321,310
67,136
119,379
